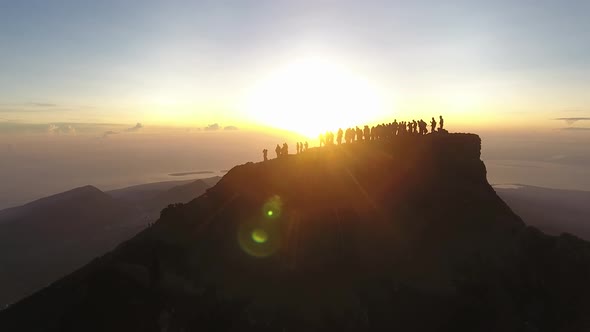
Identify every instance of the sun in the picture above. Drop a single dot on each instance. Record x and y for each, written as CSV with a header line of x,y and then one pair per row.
x,y
311,96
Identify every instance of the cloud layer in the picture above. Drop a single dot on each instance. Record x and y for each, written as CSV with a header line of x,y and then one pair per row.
x,y
212,127
571,121
61,128
108,133
137,127
217,126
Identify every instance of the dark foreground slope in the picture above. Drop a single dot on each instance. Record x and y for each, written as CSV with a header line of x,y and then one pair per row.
x,y
403,235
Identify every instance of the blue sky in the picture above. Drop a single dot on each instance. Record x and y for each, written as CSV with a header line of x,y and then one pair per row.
x,y
174,61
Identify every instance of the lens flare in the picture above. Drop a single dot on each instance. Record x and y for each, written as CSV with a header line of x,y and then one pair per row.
x,y
259,236
273,207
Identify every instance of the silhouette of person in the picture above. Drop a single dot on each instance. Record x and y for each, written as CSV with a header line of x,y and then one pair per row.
x,y
441,122
297,147
278,150
306,145
285,150
359,134
432,125
265,154
366,133
339,137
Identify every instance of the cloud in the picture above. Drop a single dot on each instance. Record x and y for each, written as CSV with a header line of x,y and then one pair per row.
x,y
108,133
61,128
576,128
571,121
77,128
217,126
137,127
30,107
212,127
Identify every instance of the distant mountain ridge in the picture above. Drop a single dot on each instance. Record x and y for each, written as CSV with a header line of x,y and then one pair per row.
x,y
73,196
554,211
404,234
50,237
40,239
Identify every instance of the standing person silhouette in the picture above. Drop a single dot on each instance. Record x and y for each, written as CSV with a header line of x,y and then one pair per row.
x,y
306,145
366,133
359,134
432,125
441,122
265,154
297,147
339,136
329,138
278,150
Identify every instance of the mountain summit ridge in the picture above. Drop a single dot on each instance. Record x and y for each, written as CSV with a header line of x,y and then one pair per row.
x,y
361,236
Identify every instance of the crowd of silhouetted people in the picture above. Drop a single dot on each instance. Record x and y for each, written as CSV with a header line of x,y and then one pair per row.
x,y
284,150
379,132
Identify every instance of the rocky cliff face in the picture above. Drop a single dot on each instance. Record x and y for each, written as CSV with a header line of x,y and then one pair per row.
x,y
402,234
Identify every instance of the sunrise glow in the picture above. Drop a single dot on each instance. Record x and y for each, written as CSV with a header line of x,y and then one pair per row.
x,y
313,95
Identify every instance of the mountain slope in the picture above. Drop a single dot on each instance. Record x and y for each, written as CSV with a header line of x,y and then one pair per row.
x,y
178,194
404,234
151,198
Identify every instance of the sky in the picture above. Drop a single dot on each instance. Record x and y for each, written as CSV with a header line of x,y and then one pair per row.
x,y
496,63
100,92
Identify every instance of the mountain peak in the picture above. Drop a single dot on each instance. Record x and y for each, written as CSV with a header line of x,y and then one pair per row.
x,y
73,194
364,236
84,190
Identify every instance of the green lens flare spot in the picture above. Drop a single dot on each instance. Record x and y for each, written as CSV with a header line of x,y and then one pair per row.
x,y
272,208
259,236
